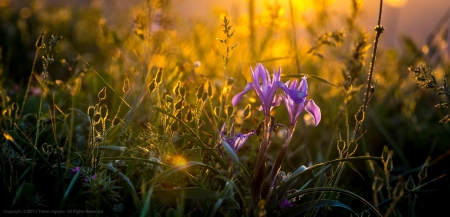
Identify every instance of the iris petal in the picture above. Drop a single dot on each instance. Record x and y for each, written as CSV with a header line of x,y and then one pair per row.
x,y
238,96
314,110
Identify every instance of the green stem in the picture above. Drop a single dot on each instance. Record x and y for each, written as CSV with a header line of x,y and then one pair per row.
x,y
277,165
261,163
38,48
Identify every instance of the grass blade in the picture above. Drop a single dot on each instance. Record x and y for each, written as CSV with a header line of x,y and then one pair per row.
x,y
327,189
136,200
305,207
69,188
200,142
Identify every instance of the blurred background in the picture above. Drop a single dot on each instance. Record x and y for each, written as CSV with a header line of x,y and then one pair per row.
x,y
326,38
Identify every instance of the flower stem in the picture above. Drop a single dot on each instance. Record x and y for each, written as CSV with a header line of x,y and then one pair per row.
x,y
378,30
276,166
260,166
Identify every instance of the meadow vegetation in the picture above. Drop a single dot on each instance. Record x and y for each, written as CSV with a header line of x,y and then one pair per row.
x,y
162,115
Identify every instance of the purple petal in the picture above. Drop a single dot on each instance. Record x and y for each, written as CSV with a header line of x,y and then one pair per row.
x,y
292,85
285,204
314,110
296,96
242,139
261,72
277,101
238,96
303,85
76,169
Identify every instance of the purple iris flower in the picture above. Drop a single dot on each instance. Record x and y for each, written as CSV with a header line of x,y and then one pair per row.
x,y
294,108
237,141
75,170
267,88
285,204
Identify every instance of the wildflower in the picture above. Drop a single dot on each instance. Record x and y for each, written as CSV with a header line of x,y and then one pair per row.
x,y
285,204
294,108
75,170
87,179
237,141
266,91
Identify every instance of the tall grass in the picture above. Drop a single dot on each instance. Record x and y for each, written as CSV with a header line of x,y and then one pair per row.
x,y
145,120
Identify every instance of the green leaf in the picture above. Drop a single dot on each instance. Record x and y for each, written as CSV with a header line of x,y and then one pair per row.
x,y
136,201
283,186
216,207
283,189
25,191
305,207
178,168
200,142
188,193
171,212
354,169
191,177
113,148
229,150
69,188
273,206
239,188
310,76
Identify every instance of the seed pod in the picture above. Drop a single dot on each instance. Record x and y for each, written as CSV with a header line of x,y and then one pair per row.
x,y
178,115
158,78
183,91
210,93
377,184
230,81
116,121
102,94
126,84
424,171
410,185
176,90
174,126
229,110
328,173
152,86
200,91
179,105
169,99
204,96
360,115
399,189
189,116
217,111
247,112
104,111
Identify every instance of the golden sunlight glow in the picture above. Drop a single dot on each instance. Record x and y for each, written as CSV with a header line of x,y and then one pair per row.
x,y
252,99
425,49
178,160
396,3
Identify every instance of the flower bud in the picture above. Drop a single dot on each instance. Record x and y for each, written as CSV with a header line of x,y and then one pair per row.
x,y
158,78
102,94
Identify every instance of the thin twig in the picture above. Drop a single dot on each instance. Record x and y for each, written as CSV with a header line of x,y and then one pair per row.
x,y
378,30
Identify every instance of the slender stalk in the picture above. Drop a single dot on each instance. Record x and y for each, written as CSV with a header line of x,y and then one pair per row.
x,y
276,166
294,37
261,163
38,46
38,129
378,30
